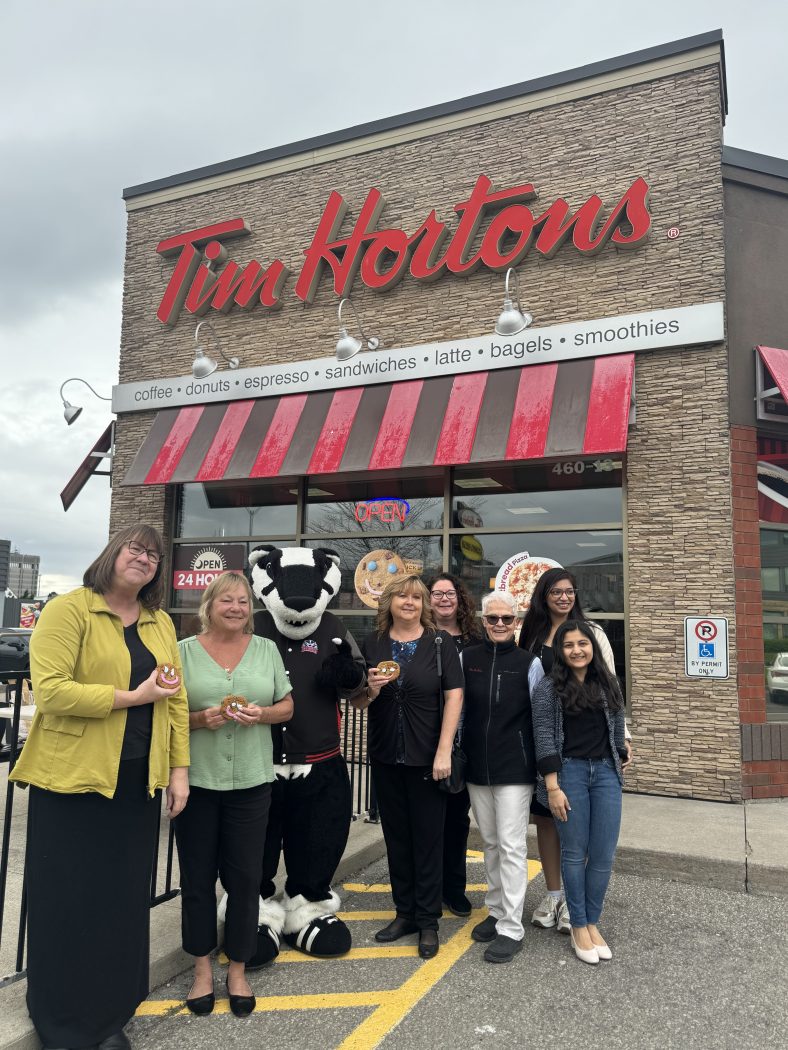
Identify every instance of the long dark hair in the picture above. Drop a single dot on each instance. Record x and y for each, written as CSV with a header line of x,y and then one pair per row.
x,y
537,623
100,573
598,686
467,621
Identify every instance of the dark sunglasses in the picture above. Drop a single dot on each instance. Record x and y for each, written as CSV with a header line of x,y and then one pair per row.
x,y
507,621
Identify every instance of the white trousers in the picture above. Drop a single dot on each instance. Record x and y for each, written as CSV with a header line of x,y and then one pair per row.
x,y
501,811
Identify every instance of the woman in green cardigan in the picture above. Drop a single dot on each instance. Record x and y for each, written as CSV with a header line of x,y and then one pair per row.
x,y
222,830
106,738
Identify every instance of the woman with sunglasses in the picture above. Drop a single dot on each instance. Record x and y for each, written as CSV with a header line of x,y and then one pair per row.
x,y
555,597
578,715
501,771
412,722
106,738
452,607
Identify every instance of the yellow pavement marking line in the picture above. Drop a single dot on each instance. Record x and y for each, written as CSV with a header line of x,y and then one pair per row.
x,y
384,887
394,951
474,855
393,1009
365,916
272,1003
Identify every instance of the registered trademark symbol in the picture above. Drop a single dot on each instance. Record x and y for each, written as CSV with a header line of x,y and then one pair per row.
x,y
673,233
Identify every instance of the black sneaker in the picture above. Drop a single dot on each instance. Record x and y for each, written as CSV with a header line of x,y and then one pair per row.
x,y
503,949
459,906
485,930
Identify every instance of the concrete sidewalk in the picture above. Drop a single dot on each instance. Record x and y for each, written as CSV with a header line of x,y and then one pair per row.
x,y
740,848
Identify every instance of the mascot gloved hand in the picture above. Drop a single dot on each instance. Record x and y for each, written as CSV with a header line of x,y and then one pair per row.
x,y
311,803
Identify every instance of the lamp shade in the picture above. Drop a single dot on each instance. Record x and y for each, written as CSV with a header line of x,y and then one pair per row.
x,y
347,345
202,365
71,412
511,319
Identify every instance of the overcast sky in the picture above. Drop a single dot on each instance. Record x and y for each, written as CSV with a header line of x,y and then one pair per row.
x,y
102,94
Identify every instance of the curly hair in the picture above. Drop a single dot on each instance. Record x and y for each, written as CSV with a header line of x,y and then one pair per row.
x,y
467,620
537,623
597,688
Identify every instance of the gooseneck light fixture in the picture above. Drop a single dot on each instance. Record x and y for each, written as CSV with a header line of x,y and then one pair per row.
x,y
72,412
512,319
347,345
203,364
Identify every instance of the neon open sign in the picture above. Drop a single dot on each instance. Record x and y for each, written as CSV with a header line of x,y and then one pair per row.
x,y
384,508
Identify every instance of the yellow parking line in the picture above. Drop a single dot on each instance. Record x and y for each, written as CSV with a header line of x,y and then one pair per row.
x,y
273,1003
384,887
394,951
392,1010
365,916
474,854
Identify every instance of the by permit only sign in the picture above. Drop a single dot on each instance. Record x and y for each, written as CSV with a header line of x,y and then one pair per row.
x,y
706,646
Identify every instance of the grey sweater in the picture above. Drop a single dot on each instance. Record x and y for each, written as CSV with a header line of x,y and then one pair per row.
x,y
548,718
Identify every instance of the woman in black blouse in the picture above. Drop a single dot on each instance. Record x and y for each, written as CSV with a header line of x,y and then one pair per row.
x,y
412,723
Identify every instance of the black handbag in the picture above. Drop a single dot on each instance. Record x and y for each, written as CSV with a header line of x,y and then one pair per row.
x,y
455,781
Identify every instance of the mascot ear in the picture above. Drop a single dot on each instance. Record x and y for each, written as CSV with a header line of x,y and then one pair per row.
x,y
328,556
261,552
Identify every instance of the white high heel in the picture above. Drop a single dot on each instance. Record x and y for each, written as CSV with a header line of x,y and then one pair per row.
x,y
586,955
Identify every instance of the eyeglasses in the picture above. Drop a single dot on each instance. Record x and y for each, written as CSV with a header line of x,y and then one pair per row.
x,y
137,550
556,592
507,621
437,595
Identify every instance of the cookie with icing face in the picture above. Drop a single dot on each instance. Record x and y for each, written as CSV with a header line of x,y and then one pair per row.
x,y
373,572
168,677
231,705
390,668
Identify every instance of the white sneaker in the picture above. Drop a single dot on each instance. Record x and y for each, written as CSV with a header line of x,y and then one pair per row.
x,y
562,923
546,915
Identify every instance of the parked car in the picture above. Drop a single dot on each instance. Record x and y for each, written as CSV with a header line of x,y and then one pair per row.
x,y
14,656
777,680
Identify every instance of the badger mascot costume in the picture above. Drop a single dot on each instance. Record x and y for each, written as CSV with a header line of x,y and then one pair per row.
x,y
311,802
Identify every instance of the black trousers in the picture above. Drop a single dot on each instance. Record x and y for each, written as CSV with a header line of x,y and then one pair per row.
x,y
310,824
412,814
88,872
455,844
221,833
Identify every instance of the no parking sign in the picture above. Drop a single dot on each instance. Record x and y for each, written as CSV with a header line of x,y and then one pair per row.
x,y
706,646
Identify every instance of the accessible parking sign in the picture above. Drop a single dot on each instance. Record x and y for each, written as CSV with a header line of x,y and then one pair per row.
x,y
706,646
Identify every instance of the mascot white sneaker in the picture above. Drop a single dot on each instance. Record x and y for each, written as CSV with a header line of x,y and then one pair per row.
x,y
311,805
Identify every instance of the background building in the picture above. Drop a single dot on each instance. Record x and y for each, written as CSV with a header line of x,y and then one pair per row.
x,y
23,573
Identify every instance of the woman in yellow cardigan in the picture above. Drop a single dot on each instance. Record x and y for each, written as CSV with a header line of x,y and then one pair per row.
x,y
105,740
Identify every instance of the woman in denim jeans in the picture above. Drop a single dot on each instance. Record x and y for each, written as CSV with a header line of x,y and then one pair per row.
x,y
578,715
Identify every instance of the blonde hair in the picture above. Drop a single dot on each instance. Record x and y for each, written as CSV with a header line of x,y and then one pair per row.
x,y
404,585
215,589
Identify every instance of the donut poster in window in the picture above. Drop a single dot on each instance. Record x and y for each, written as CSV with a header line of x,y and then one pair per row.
x,y
373,572
519,575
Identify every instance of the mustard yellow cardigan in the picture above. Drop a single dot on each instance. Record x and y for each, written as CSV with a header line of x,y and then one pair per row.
x,y
78,658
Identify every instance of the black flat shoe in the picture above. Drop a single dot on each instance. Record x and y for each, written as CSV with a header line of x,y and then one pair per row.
x,y
459,906
117,1041
396,929
428,944
202,1004
241,1005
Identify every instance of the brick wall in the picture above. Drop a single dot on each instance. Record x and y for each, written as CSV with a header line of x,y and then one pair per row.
x,y
679,532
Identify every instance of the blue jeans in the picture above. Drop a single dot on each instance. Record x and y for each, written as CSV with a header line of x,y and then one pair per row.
x,y
589,836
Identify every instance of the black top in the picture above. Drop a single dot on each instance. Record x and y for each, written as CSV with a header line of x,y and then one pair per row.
x,y
585,734
497,736
312,734
139,719
413,701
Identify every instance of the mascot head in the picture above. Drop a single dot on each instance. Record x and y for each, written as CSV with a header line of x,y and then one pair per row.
x,y
295,584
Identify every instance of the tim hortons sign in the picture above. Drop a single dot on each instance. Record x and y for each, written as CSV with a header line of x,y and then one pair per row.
x,y
205,277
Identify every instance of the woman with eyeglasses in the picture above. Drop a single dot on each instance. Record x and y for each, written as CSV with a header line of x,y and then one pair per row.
x,y
578,715
412,722
555,597
452,607
107,737
501,771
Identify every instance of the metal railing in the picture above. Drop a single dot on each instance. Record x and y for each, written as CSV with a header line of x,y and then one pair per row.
x,y
354,742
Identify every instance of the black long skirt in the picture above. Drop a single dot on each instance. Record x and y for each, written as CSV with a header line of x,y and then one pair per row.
x,y
89,862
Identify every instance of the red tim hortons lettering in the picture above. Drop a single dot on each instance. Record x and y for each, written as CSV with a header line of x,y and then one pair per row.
x,y
187,246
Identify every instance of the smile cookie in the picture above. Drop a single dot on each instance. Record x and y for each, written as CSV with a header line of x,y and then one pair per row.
x,y
390,668
373,572
168,677
230,706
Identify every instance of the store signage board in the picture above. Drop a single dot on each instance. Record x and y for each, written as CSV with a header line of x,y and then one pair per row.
x,y
706,646
655,330
204,277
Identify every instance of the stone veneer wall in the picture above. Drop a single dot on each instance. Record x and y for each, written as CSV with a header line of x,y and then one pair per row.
x,y
679,533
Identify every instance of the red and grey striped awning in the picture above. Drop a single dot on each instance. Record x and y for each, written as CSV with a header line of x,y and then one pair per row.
x,y
540,411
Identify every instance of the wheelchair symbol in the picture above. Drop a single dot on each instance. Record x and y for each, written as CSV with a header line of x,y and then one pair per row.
x,y
706,651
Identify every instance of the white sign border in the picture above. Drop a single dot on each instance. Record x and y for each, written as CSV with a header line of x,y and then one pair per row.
x,y
707,677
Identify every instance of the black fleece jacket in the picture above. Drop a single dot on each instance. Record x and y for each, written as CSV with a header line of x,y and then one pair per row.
x,y
497,734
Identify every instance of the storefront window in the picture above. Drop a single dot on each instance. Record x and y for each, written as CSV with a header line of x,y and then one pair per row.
x,y
222,510
375,505
774,583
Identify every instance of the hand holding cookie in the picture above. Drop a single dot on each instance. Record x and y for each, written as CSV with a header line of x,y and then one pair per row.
x,y
167,677
377,677
231,706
